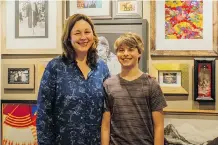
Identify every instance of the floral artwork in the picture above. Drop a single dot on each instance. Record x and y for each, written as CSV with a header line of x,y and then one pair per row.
x,y
184,19
19,124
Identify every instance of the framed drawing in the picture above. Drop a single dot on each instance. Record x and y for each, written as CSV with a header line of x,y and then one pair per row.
x,y
97,9
189,30
19,76
204,79
18,122
31,19
110,30
31,27
127,9
180,125
173,78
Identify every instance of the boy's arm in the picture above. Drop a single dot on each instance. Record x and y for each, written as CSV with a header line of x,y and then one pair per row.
x,y
105,128
158,119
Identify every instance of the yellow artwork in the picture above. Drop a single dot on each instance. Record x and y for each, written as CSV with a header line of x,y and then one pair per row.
x,y
41,69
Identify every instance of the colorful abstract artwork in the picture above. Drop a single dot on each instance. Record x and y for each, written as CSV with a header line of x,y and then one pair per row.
x,y
81,4
184,19
19,124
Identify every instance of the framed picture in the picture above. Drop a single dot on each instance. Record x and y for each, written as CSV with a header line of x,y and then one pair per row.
x,y
170,78
204,79
184,28
110,30
31,27
31,19
173,78
180,125
18,122
19,76
96,9
127,9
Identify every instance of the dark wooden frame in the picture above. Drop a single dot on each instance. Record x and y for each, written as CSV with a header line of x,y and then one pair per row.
x,y
197,62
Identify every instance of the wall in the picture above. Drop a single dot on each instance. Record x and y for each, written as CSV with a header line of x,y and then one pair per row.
x,y
174,102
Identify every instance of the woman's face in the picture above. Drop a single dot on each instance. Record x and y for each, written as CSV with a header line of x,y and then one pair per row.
x,y
82,36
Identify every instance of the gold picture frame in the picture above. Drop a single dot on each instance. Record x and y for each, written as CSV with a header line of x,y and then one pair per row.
x,y
157,52
18,76
183,89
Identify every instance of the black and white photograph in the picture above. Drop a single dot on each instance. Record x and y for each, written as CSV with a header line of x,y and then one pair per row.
x,y
170,78
18,75
31,19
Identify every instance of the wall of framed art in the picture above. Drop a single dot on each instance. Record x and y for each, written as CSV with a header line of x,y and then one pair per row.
x,y
156,58
164,56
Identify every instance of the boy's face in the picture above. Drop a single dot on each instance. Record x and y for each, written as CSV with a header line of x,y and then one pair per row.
x,y
128,57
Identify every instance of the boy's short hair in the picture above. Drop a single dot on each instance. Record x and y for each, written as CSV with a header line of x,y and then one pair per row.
x,y
130,39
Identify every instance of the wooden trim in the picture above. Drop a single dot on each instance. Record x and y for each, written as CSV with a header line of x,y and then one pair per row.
x,y
169,111
155,52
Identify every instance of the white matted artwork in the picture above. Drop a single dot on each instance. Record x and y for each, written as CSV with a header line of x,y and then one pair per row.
x,y
127,9
204,43
96,9
170,79
32,27
190,129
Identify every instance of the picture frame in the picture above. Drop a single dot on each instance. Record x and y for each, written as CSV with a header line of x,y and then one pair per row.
x,y
178,81
90,8
180,124
19,76
20,36
112,29
131,9
163,43
204,79
18,121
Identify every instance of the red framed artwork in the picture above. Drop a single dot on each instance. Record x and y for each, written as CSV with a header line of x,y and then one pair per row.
x,y
18,122
204,79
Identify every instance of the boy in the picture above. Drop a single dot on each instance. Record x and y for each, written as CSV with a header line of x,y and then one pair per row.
x,y
134,102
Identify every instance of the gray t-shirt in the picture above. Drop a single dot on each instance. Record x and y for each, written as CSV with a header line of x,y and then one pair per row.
x,y
131,104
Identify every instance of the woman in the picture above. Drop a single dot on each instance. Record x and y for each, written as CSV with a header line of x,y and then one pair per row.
x,y
71,95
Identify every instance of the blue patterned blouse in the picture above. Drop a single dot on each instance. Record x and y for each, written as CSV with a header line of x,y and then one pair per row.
x,y
69,107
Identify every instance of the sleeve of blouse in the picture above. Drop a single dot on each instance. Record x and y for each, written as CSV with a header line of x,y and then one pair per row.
x,y
44,121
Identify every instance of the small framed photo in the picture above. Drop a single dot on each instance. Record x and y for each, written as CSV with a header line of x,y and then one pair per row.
x,y
127,9
18,76
173,78
96,9
18,122
170,78
204,79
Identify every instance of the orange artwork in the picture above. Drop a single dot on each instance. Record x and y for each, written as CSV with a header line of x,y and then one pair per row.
x,y
19,124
